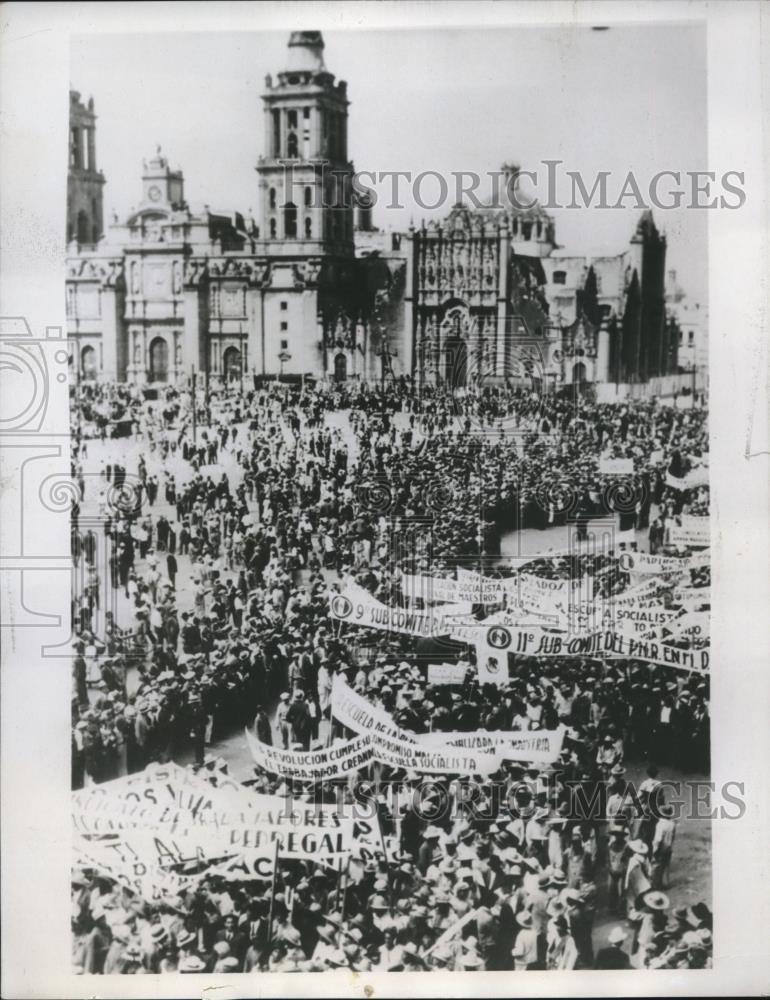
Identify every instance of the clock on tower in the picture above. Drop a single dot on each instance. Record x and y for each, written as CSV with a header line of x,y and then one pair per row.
x,y
162,185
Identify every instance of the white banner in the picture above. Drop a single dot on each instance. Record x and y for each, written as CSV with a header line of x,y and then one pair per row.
x,y
367,612
447,673
538,745
694,478
433,759
616,466
692,598
534,642
480,589
642,620
430,588
693,625
694,531
357,712
336,761
643,562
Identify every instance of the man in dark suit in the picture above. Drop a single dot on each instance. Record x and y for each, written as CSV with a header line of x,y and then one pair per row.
x,y
171,565
235,937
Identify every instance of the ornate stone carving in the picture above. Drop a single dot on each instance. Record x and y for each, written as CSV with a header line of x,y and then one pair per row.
x,y
307,274
194,272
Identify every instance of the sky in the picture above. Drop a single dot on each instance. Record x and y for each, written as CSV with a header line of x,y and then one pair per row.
x,y
631,98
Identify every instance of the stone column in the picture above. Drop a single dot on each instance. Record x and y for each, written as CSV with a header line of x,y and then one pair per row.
x,y
603,353
193,342
110,333
91,149
504,253
407,340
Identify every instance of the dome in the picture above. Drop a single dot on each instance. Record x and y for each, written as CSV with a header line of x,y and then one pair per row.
x,y
306,52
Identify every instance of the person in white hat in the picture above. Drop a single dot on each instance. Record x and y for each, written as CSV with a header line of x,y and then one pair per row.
x,y
524,952
284,729
637,878
663,846
612,956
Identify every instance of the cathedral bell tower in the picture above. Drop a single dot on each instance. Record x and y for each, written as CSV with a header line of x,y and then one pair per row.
x,y
85,183
305,175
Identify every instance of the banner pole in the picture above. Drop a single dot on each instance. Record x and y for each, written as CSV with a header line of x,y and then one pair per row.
x,y
272,897
344,892
387,862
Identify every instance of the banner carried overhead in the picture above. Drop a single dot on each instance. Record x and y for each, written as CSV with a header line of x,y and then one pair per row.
x,y
367,612
500,639
358,713
539,746
437,758
694,478
692,531
336,761
643,562
447,673
616,466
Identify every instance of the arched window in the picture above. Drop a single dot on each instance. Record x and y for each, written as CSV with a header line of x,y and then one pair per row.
x,y
308,197
527,230
290,221
272,197
83,227
232,364
159,360
272,229
88,362
308,229
292,119
292,146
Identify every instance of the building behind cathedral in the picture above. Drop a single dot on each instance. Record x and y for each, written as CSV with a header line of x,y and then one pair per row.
x,y
312,288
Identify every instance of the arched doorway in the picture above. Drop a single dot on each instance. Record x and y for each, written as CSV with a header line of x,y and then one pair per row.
x,y
340,367
158,360
232,364
88,362
455,331
578,373
455,362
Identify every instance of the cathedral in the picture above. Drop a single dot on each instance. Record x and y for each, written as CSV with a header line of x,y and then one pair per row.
x,y
491,298
170,291
312,290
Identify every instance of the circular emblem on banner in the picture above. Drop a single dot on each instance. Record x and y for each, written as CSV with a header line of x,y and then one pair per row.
x,y
499,638
626,562
341,607
493,665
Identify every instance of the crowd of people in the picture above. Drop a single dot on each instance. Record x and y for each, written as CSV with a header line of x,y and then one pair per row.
x,y
224,546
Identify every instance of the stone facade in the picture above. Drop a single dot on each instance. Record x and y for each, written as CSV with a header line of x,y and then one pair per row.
x,y
485,295
169,290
